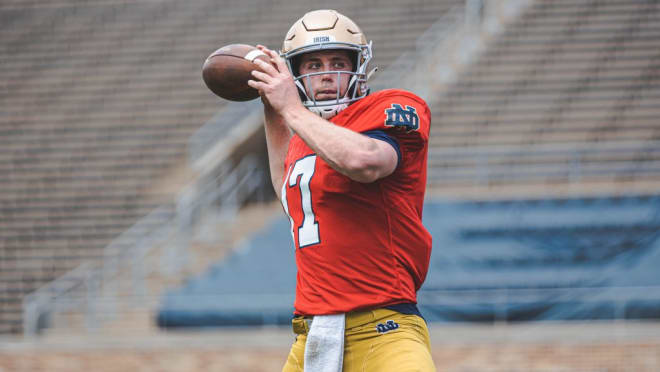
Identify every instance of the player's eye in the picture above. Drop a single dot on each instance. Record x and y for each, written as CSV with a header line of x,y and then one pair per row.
x,y
313,65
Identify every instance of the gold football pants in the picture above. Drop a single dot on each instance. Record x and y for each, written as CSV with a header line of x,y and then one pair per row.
x,y
379,340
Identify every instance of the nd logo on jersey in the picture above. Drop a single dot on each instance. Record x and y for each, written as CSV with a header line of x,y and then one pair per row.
x,y
396,116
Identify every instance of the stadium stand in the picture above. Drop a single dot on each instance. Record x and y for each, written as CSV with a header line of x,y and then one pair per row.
x,y
564,100
549,129
98,102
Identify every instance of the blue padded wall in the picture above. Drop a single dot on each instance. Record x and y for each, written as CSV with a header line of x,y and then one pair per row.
x,y
595,258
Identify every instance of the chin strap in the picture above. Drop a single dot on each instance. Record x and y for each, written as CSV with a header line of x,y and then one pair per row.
x,y
373,71
327,112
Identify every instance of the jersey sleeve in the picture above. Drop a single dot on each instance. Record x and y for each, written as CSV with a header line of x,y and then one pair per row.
x,y
401,114
381,135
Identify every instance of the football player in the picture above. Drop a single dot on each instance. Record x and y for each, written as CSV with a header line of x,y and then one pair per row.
x,y
350,169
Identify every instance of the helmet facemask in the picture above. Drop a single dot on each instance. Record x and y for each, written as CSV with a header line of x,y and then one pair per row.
x,y
357,85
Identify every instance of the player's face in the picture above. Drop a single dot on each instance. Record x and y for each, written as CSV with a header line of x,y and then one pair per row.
x,y
324,86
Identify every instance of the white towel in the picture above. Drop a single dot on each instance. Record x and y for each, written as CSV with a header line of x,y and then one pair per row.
x,y
324,350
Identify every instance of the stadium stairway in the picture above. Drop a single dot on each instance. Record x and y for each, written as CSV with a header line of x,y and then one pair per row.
x,y
98,102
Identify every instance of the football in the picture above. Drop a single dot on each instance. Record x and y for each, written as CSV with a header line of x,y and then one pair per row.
x,y
227,71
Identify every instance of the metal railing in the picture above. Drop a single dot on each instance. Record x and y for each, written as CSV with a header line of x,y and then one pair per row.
x,y
216,128
78,288
95,289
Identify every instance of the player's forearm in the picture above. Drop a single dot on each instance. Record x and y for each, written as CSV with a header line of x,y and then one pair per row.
x,y
277,143
346,151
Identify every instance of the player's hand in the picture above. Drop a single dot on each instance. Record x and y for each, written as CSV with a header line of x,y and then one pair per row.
x,y
275,84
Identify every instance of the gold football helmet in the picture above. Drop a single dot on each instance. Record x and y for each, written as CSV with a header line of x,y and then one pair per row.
x,y
322,30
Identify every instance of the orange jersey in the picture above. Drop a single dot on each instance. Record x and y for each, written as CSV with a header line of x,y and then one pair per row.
x,y
361,245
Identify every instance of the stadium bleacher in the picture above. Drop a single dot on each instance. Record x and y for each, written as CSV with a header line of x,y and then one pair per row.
x,y
543,198
567,94
99,100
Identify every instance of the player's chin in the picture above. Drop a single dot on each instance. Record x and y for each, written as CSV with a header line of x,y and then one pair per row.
x,y
325,96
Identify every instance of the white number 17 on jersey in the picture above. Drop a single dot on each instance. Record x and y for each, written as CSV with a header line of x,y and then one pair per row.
x,y
308,232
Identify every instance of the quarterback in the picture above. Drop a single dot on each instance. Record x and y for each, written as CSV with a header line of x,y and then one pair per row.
x,y
350,169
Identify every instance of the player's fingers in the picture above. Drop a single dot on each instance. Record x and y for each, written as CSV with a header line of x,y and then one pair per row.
x,y
266,67
262,76
279,61
281,65
263,48
267,51
256,85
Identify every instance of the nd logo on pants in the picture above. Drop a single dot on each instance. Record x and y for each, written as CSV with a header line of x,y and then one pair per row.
x,y
379,340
